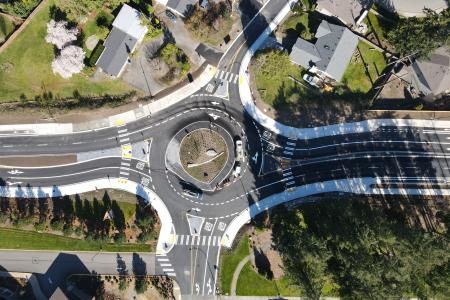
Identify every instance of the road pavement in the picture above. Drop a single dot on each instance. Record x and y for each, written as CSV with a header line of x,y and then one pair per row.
x,y
414,155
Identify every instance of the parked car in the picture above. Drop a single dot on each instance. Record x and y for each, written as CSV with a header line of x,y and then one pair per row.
x,y
237,171
171,16
312,80
239,150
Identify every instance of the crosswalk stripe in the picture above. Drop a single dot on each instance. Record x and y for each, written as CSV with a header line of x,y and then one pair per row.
x,y
168,270
187,240
287,174
171,274
163,259
198,240
204,240
124,173
125,140
125,164
236,79
220,74
166,265
182,240
161,254
290,183
122,131
214,241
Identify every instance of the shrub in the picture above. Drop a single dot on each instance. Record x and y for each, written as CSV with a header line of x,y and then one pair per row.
x,y
20,8
95,55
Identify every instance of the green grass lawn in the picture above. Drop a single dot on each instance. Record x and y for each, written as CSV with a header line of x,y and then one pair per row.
x,y
31,75
229,262
126,201
6,28
272,79
302,25
250,283
29,240
356,77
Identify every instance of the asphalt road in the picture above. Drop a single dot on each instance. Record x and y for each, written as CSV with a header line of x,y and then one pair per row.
x,y
272,164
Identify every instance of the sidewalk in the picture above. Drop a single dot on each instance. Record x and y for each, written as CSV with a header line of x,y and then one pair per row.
x,y
167,232
316,132
144,110
361,186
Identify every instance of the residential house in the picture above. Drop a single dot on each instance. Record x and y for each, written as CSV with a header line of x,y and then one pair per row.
x,y
330,55
350,12
180,7
126,33
430,77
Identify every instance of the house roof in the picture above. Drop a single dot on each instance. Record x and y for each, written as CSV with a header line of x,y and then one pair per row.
x,y
331,53
433,73
118,46
129,21
181,6
346,10
125,34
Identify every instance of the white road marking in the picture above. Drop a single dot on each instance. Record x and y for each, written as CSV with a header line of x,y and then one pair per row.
x,y
163,259
166,265
168,270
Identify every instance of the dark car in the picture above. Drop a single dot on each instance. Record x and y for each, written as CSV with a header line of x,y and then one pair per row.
x,y
191,190
171,16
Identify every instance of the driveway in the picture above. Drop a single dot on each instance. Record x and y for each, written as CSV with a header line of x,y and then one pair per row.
x,y
411,8
181,36
139,72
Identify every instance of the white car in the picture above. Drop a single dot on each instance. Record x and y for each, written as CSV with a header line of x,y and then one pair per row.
x,y
312,80
239,150
237,171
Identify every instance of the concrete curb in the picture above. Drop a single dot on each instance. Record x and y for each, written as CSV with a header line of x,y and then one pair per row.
x,y
143,111
316,132
167,233
362,186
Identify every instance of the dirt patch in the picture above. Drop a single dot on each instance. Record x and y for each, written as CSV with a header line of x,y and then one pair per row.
x,y
266,260
203,154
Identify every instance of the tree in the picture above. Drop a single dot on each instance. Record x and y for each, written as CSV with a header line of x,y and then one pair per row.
x,y
59,35
69,62
420,36
207,22
370,253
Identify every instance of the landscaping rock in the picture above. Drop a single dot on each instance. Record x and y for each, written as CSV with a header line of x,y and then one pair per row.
x,y
91,42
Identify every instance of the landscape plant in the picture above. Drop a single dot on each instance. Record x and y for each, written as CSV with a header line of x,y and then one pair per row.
x,y
19,8
420,36
69,62
59,34
370,252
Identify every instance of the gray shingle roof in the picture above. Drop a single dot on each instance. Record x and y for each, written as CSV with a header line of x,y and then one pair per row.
x,y
331,53
346,10
118,46
433,74
181,6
